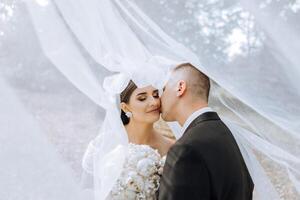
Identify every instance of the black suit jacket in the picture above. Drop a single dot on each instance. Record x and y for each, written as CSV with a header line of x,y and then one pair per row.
x,y
206,164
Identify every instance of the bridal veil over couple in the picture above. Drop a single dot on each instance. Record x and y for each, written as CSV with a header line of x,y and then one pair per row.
x,y
117,56
205,163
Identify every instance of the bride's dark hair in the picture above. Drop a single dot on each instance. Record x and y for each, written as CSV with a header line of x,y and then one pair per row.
x,y
124,97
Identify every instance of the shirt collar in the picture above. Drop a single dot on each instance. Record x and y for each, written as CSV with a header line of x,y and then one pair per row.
x,y
193,116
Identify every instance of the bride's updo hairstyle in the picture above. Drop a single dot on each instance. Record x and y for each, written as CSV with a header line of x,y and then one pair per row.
x,y
124,97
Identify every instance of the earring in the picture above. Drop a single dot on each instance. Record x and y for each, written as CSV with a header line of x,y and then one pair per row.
x,y
128,114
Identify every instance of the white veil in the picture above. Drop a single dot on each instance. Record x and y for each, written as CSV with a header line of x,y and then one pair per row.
x,y
98,45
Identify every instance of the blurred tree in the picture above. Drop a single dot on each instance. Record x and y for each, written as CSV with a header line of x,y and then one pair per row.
x,y
217,30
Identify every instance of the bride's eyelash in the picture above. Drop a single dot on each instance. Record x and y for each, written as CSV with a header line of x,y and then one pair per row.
x,y
142,99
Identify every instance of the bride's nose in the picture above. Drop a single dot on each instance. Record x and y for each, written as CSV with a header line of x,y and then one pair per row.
x,y
154,102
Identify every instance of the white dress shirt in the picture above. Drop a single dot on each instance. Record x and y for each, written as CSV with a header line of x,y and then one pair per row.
x,y
193,116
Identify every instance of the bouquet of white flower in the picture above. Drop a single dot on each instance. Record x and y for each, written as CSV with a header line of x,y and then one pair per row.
x,y
141,174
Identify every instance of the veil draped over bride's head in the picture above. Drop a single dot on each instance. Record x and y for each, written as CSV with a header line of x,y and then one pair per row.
x,y
64,64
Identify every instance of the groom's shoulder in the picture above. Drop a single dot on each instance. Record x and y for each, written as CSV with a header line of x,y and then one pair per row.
x,y
206,135
206,130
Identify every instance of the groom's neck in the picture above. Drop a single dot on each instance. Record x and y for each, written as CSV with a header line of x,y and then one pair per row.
x,y
187,109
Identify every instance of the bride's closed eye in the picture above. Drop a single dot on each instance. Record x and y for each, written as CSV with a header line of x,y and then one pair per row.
x,y
143,96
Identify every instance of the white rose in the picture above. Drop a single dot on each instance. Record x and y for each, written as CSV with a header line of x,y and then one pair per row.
x,y
144,167
135,157
132,174
154,157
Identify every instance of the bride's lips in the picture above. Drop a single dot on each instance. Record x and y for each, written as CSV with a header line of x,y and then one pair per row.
x,y
155,110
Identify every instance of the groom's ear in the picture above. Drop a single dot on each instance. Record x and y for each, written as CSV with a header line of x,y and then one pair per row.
x,y
181,88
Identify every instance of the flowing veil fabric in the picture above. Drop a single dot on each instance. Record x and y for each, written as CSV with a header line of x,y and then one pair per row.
x,y
90,49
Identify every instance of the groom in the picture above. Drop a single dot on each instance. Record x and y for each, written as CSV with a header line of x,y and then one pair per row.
x,y
205,163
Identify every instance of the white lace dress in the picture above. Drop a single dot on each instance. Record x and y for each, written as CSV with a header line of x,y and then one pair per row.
x,y
141,174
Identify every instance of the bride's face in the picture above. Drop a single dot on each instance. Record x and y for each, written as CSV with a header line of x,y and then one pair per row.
x,y
144,104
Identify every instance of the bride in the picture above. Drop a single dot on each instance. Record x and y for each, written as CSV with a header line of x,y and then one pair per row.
x,y
147,148
140,109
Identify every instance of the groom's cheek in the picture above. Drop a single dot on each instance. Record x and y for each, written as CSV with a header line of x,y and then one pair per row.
x,y
162,99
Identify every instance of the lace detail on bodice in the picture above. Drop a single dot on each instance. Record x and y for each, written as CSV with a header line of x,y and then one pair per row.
x,y
140,176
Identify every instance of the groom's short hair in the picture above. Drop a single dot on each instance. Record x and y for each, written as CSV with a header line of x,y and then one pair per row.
x,y
198,82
